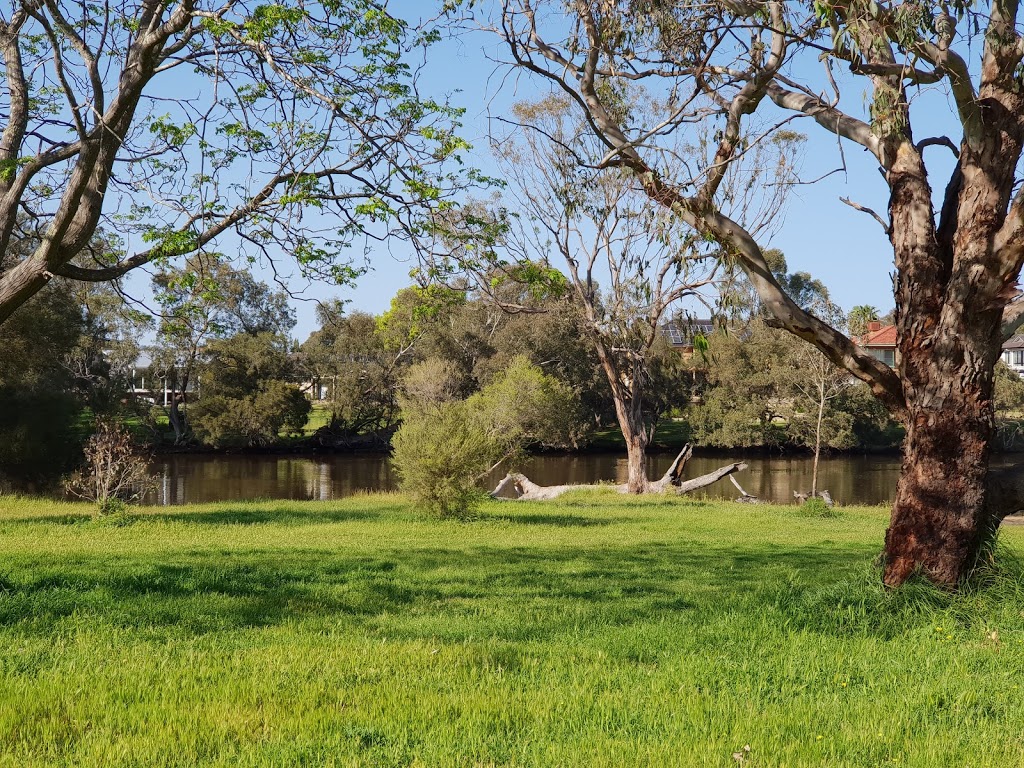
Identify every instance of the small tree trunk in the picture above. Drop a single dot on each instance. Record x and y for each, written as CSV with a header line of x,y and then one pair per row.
x,y
817,447
177,419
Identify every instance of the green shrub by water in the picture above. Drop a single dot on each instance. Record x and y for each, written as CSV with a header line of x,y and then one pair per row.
x,y
593,631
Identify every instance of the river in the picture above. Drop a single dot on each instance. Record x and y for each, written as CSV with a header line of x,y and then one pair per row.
x,y
196,478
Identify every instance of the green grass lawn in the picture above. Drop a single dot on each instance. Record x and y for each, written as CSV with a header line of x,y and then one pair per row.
x,y
595,631
669,433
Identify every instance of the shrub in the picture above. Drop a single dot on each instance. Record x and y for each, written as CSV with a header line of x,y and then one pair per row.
x,y
115,471
815,507
446,445
438,453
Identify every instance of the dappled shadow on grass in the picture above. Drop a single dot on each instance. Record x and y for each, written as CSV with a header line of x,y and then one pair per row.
x,y
221,514
205,593
558,521
243,515
514,594
64,519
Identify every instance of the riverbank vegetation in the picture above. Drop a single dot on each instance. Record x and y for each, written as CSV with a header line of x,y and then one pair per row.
x,y
593,631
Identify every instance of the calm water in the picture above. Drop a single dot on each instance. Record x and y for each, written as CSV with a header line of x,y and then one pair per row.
x,y
191,479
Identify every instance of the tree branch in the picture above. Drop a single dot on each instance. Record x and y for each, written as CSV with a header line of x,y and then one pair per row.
x,y
869,211
828,117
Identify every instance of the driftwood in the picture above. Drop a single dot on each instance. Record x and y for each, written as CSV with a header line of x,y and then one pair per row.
x,y
745,497
524,489
801,498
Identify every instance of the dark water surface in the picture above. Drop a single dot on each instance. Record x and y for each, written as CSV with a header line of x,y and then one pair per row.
x,y
188,479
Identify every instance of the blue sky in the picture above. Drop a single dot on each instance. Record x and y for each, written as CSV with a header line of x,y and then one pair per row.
x,y
819,234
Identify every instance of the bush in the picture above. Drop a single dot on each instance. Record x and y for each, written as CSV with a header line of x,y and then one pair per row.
x,y
115,472
254,419
815,507
439,453
446,445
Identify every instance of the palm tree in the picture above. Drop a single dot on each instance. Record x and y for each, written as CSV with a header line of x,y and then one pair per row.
x,y
859,318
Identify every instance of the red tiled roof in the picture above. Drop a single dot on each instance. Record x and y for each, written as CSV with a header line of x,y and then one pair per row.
x,y
886,337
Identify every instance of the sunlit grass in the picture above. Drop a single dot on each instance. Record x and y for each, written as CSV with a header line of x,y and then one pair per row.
x,y
596,631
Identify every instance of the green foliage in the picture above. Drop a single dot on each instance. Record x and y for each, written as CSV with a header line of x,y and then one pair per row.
x,y
438,452
38,403
873,426
744,404
349,358
523,406
815,507
247,397
1009,392
208,299
1009,397
429,384
764,388
446,444
859,317
323,111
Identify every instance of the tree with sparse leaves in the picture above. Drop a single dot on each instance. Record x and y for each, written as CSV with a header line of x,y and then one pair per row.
x,y
737,70
303,130
627,265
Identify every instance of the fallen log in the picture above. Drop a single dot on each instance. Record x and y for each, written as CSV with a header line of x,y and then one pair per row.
x,y
522,488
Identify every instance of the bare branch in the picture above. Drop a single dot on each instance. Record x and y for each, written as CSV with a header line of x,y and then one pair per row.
x,y
869,211
938,141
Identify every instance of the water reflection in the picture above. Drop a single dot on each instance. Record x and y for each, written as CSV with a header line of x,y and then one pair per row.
x,y
203,478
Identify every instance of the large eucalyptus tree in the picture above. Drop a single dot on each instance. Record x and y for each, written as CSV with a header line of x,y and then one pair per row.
x,y
173,122
749,68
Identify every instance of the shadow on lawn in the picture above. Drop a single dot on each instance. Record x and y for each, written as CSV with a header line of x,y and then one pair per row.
x,y
262,515
515,594
244,514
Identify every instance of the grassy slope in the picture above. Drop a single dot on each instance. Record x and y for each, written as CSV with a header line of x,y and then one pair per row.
x,y
592,632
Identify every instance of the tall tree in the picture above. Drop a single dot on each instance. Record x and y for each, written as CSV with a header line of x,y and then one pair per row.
x,y
603,232
744,67
859,318
289,106
203,300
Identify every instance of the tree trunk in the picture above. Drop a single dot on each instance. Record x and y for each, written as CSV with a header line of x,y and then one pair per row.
x,y
942,519
636,460
817,445
177,419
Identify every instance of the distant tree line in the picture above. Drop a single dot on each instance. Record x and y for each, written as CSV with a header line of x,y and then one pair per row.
x,y
223,371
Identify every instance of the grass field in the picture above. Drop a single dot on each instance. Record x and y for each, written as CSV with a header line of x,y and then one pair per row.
x,y
595,631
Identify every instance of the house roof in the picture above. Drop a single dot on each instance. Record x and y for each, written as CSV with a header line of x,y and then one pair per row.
x,y
680,334
1014,342
886,337
883,338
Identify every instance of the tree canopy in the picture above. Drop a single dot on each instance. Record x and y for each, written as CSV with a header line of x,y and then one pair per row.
x,y
299,127
734,74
